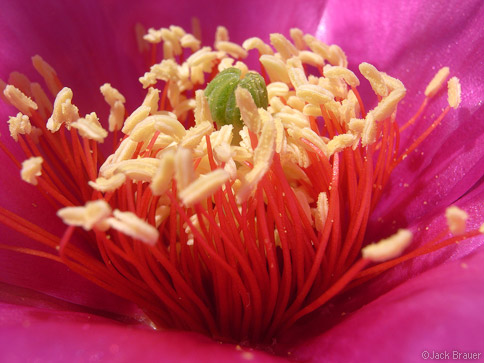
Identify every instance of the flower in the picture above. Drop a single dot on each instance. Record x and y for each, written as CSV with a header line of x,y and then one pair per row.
x,y
456,177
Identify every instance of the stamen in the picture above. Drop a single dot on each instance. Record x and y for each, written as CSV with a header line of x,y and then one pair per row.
x,y
131,225
456,220
388,248
437,82
237,228
19,100
31,169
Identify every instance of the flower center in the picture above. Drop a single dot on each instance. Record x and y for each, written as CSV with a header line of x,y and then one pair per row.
x,y
234,232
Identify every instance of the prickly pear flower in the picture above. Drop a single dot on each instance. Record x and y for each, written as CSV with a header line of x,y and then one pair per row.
x,y
258,188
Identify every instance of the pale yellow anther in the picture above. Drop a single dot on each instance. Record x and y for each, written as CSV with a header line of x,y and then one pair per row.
x,y
169,126
243,68
153,36
340,142
189,41
222,136
241,154
144,130
142,169
291,117
343,73
370,129
285,48
388,105
202,109
296,72
135,118
19,124
168,50
481,228
165,71
152,100
296,103
388,248
194,135
148,79
204,57
183,107
45,107
248,109
357,125
197,75
92,215
337,56
279,89
184,173
314,94
64,111
231,48
221,34
257,43
19,100
375,78
276,104
170,37
317,46
391,82
456,219
164,141
311,58
131,225
116,116
111,94
263,154
311,136
297,153
108,184
222,153
178,31
31,169
276,68
312,110
164,174
174,93
90,128
204,187
454,92
124,151
297,37
347,111
321,212
437,82
48,74
225,63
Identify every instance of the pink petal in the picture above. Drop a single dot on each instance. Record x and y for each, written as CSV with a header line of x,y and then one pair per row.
x,y
438,310
43,335
430,281
411,41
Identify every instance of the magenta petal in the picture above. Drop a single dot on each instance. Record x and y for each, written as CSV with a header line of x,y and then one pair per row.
x,y
29,334
440,310
412,40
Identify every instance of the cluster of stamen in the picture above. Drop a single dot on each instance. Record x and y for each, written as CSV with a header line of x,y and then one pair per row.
x,y
232,232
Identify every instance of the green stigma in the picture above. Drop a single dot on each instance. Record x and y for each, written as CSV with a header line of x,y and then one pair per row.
x,y
220,93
